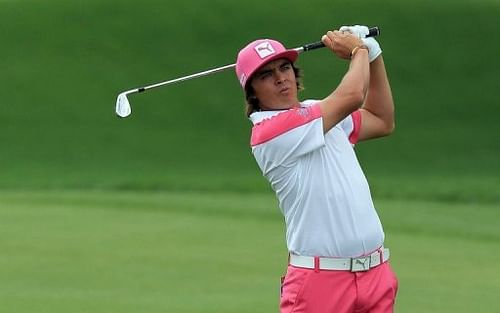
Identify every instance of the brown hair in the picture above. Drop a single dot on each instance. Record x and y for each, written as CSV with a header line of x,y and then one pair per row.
x,y
252,103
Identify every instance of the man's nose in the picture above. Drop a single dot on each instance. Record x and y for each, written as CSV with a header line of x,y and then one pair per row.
x,y
280,78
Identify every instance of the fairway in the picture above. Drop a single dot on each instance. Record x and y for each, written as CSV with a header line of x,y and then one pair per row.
x,y
72,251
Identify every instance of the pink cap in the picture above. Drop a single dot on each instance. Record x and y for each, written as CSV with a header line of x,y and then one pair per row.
x,y
258,53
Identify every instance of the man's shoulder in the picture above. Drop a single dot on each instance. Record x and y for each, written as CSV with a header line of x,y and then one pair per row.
x,y
267,127
308,102
259,116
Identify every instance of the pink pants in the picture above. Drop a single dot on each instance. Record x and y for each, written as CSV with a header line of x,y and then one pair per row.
x,y
327,291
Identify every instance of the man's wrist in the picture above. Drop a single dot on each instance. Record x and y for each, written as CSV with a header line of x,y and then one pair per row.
x,y
357,48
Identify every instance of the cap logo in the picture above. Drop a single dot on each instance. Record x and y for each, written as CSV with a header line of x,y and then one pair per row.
x,y
264,49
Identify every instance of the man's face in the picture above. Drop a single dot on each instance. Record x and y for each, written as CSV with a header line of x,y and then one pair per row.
x,y
275,85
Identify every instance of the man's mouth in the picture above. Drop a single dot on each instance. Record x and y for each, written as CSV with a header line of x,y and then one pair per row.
x,y
284,90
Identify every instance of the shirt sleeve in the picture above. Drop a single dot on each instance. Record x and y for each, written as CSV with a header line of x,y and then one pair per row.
x,y
351,125
287,136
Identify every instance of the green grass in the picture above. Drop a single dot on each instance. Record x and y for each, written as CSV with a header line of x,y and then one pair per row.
x,y
219,252
67,61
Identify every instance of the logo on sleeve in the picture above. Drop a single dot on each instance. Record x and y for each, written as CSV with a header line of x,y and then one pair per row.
x,y
264,49
304,112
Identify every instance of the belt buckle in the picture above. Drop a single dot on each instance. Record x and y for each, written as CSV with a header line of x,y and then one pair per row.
x,y
361,264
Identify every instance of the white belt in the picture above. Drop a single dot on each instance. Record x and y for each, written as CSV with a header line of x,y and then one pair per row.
x,y
360,264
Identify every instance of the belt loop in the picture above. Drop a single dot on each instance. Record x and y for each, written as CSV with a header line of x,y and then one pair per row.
x,y
381,254
316,264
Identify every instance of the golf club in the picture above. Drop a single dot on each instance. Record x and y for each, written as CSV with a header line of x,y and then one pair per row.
x,y
123,108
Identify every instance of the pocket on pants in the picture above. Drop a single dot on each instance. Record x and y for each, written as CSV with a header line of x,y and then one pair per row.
x,y
292,286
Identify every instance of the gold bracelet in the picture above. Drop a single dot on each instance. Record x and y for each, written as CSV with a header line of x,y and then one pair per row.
x,y
353,52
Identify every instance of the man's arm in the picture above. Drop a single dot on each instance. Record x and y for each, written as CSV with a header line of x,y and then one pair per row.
x,y
350,93
377,112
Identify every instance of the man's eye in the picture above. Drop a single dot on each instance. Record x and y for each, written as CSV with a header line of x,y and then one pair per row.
x,y
286,67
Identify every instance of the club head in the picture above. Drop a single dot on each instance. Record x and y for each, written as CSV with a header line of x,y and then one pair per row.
x,y
122,105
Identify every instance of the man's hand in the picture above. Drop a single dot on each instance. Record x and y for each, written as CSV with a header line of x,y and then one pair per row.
x,y
341,43
361,32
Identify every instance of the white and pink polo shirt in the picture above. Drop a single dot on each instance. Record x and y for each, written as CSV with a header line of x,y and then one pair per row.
x,y
322,191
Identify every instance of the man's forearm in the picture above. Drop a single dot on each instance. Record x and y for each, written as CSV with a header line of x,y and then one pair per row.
x,y
350,93
379,99
356,80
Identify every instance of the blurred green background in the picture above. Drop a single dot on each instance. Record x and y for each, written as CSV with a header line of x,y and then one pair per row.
x,y
166,211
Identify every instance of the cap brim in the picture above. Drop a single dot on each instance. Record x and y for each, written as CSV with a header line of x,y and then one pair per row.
x,y
291,55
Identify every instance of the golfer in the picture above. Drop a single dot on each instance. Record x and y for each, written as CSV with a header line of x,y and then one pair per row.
x,y
337,260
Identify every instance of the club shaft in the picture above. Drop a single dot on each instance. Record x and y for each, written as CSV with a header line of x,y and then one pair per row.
x,y
184,78
373,31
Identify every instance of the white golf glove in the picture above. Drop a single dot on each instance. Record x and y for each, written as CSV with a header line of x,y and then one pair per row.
x,y
358,30
361,31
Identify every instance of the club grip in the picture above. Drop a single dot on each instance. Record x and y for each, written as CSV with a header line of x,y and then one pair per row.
x,y
372,32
